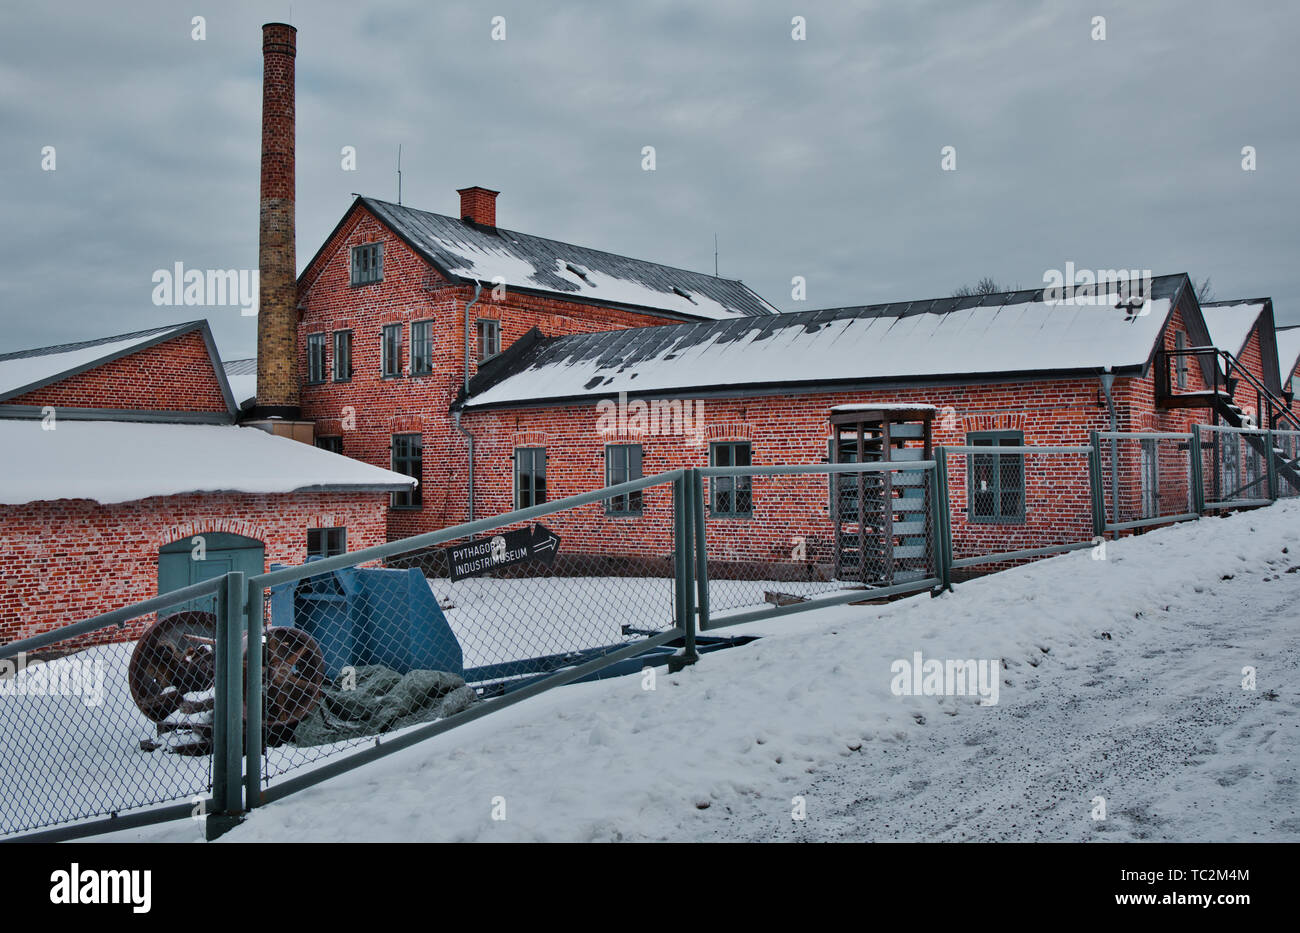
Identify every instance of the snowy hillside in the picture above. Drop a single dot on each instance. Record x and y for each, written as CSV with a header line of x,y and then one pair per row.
x,y
1122,680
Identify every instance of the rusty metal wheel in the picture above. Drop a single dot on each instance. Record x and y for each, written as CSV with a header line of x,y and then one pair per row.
x,y
293,672
173,657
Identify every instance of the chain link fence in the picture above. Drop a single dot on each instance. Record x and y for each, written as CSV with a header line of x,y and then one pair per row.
x,y
1008,503
356,653
1235,466
95,722
783,537
1286,448
143,713
1147,478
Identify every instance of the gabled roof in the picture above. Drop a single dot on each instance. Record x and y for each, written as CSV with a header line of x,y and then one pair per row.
x,y
978,338
117,461
24,371
1288,351
465,252
1232,323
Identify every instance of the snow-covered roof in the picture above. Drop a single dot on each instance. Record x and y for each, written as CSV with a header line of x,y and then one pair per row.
x,y
120,461
1230,321
466,251
242,376
987,335
24,370
1288,351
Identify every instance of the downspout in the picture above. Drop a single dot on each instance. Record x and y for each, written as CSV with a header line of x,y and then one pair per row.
x,y
1107,381
463,432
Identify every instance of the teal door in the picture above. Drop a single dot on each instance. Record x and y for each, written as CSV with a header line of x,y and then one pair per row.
x,y
183,563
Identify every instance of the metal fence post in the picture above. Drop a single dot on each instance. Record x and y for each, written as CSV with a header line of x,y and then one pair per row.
x,y
1271,441
228,709
1095,482
684,567
941,531
253,729
701,555
1198,472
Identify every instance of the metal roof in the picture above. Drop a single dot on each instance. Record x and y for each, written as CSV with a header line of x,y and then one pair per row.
x,y
464,251
983,335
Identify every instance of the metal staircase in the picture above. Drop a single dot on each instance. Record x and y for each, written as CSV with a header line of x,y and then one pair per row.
x,y
1226,372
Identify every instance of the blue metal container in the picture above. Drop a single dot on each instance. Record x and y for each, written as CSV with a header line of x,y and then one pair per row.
x,y
370,615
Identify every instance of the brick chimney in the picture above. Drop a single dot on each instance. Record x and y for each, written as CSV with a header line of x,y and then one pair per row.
x,y
277,319
478,205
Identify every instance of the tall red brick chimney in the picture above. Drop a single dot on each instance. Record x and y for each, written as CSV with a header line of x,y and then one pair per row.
x,y
277,319
479,205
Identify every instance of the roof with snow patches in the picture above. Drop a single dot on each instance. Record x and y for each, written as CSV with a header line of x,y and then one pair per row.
x,y
986,336
1288,351
1230,322
26,370
119,461
465,252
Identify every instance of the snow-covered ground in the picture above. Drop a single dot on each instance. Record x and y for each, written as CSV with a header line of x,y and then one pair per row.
x,y
1122,680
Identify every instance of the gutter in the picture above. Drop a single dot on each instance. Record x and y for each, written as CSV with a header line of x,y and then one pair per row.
x,y
462,431
1107,381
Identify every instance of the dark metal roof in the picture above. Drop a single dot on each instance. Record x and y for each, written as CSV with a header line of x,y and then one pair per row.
x,y
98,341
246,367
458,248
623,351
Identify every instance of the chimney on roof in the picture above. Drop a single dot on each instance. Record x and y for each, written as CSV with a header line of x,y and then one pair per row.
x,y
478,205
277,319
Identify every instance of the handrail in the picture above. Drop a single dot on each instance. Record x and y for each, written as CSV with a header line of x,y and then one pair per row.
x,y
1277,406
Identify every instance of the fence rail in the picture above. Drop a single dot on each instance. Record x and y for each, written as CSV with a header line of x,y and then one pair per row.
x,y
477,617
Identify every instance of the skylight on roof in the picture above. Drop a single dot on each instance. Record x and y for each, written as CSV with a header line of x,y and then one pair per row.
x,y
684,294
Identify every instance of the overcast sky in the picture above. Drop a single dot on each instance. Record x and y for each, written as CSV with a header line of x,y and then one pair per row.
x,y
819,158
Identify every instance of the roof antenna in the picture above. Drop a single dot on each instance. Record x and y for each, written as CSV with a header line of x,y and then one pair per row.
x,y
715,255
399,174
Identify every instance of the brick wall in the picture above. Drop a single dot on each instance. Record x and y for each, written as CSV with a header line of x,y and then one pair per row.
x,y
175,375
71,559
794,429
369,409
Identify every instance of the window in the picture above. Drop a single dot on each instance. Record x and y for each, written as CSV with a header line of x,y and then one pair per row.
x,y
530,476
331,442
408,459
342,355
730,496
326,542
421,347
315,358
489,339
996,482
367,263
391,350
1181,360
622,465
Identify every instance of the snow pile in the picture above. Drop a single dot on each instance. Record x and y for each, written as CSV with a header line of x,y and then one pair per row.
x,y
120,461
723,748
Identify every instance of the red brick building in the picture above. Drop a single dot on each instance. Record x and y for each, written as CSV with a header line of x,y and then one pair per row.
x,y
117,454
399,309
